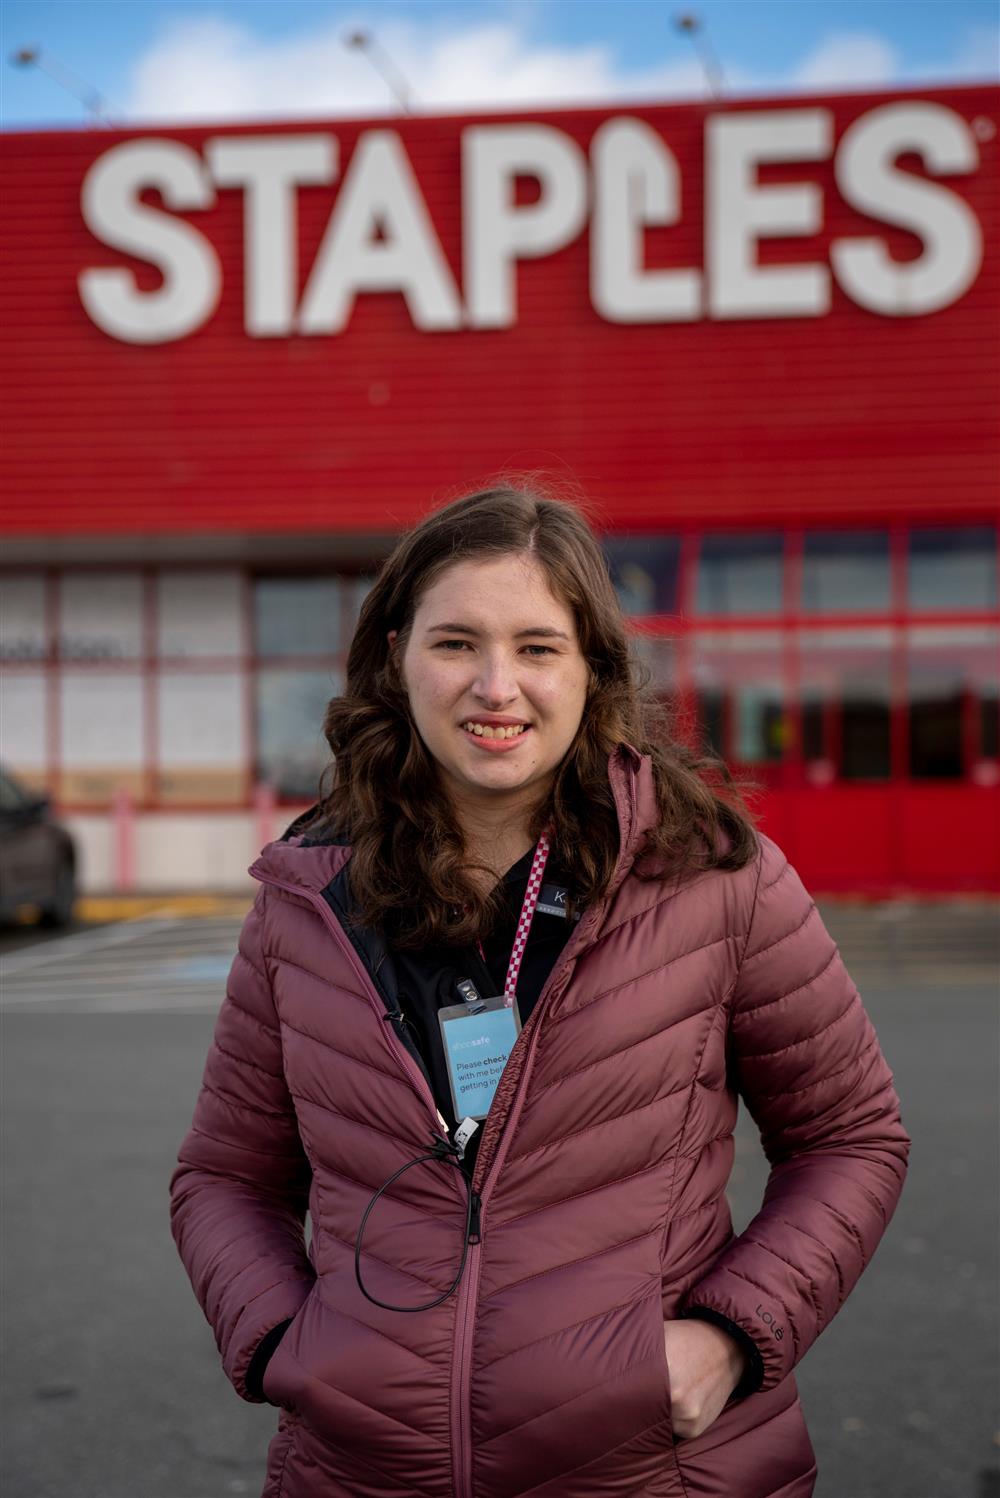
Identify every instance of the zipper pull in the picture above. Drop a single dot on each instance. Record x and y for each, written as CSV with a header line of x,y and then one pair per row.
x,y
474,1234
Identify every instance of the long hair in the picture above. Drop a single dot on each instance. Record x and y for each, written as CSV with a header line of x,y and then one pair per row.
x,y
409,874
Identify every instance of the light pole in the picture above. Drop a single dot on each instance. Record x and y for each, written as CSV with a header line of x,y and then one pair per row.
x,y
693,26
363,41
72,83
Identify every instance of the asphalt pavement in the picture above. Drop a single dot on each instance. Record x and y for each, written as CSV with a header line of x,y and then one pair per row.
x,y
111,1383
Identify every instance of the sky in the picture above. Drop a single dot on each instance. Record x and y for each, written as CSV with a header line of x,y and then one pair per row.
x,y
243,60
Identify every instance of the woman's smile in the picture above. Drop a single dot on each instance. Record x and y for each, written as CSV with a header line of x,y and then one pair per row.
x,y
496,735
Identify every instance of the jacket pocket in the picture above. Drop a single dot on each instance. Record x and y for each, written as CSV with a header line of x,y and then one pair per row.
x,y
282,1373
664,1369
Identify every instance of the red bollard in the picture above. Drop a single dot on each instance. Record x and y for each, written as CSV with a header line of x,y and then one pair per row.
x,y
123,840
264,802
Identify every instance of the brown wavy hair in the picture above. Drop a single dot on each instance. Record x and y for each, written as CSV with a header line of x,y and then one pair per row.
x,y
409,874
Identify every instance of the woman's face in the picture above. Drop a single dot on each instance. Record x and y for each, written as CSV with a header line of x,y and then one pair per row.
x,y
495,677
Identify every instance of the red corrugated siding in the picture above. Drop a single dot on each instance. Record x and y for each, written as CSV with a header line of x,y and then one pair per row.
x,y
836,418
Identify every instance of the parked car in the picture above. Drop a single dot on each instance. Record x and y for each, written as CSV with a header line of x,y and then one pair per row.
x,y
38,861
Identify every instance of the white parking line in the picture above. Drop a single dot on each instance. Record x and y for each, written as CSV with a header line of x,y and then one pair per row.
x,y
62,947
161,963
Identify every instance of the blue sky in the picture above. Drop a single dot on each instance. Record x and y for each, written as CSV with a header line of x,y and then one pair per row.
x,y
238,60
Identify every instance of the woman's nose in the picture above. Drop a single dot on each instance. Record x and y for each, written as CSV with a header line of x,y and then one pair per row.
x,y
495,683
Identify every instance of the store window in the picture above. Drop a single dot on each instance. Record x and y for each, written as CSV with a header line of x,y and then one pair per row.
x,y
100,616
644,570
202,745
760,724
298,616
845,685
712,714
935,726
953,568
100,735
200,613
845,572
291,750
739,687
22,725
989,732
953,688
353,592
740,574
23,634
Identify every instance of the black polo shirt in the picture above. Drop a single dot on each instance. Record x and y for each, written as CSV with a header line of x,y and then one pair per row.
x,y
427,979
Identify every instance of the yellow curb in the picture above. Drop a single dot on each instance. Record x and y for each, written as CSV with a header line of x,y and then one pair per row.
x,y
101,909
98,909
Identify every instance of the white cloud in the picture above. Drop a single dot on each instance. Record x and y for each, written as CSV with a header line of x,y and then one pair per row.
x,y
849,59
862,59
210,68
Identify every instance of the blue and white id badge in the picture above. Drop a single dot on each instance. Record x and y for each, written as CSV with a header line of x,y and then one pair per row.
x,y
477,1038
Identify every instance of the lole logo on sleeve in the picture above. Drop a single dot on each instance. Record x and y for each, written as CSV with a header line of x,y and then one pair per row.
x,y
777,1331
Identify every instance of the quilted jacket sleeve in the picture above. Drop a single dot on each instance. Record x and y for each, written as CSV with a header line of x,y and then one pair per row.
x,y
239,1194
808,1065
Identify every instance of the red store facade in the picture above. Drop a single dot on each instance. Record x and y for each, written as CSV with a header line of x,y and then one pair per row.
x,y
759,335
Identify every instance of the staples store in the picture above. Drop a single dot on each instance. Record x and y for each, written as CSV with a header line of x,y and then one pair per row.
x,y
760,335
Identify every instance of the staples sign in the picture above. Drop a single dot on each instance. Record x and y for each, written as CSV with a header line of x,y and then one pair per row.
x,y
380,236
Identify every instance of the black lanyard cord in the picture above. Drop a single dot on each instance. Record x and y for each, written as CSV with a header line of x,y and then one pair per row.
x,y
443,1150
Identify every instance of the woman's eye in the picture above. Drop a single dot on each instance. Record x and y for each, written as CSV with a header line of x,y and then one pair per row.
x,y
540,649
454,645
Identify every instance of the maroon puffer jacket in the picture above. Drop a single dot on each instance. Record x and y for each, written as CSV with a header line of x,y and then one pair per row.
x,y
601,1173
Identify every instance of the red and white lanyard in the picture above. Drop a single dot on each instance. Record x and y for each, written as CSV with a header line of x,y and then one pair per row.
x,y
531,896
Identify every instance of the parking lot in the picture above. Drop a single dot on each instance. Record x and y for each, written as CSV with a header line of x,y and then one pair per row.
x,y
111,1383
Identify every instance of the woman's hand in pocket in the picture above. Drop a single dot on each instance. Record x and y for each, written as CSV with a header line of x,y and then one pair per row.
x,y
705,1365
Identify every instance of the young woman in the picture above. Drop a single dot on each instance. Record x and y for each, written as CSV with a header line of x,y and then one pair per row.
x,y
489,1019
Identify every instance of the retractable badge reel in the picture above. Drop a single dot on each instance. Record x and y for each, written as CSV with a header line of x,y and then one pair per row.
x,y
478,1035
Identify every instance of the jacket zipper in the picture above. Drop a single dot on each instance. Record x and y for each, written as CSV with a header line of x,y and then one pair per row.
x,y
461,1378
483,1177
395,1045
468,1293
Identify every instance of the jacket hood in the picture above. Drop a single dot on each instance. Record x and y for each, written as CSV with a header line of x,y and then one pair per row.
x,y
311,863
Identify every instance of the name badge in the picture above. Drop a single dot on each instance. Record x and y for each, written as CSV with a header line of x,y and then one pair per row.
x,y
478,1037
552,901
